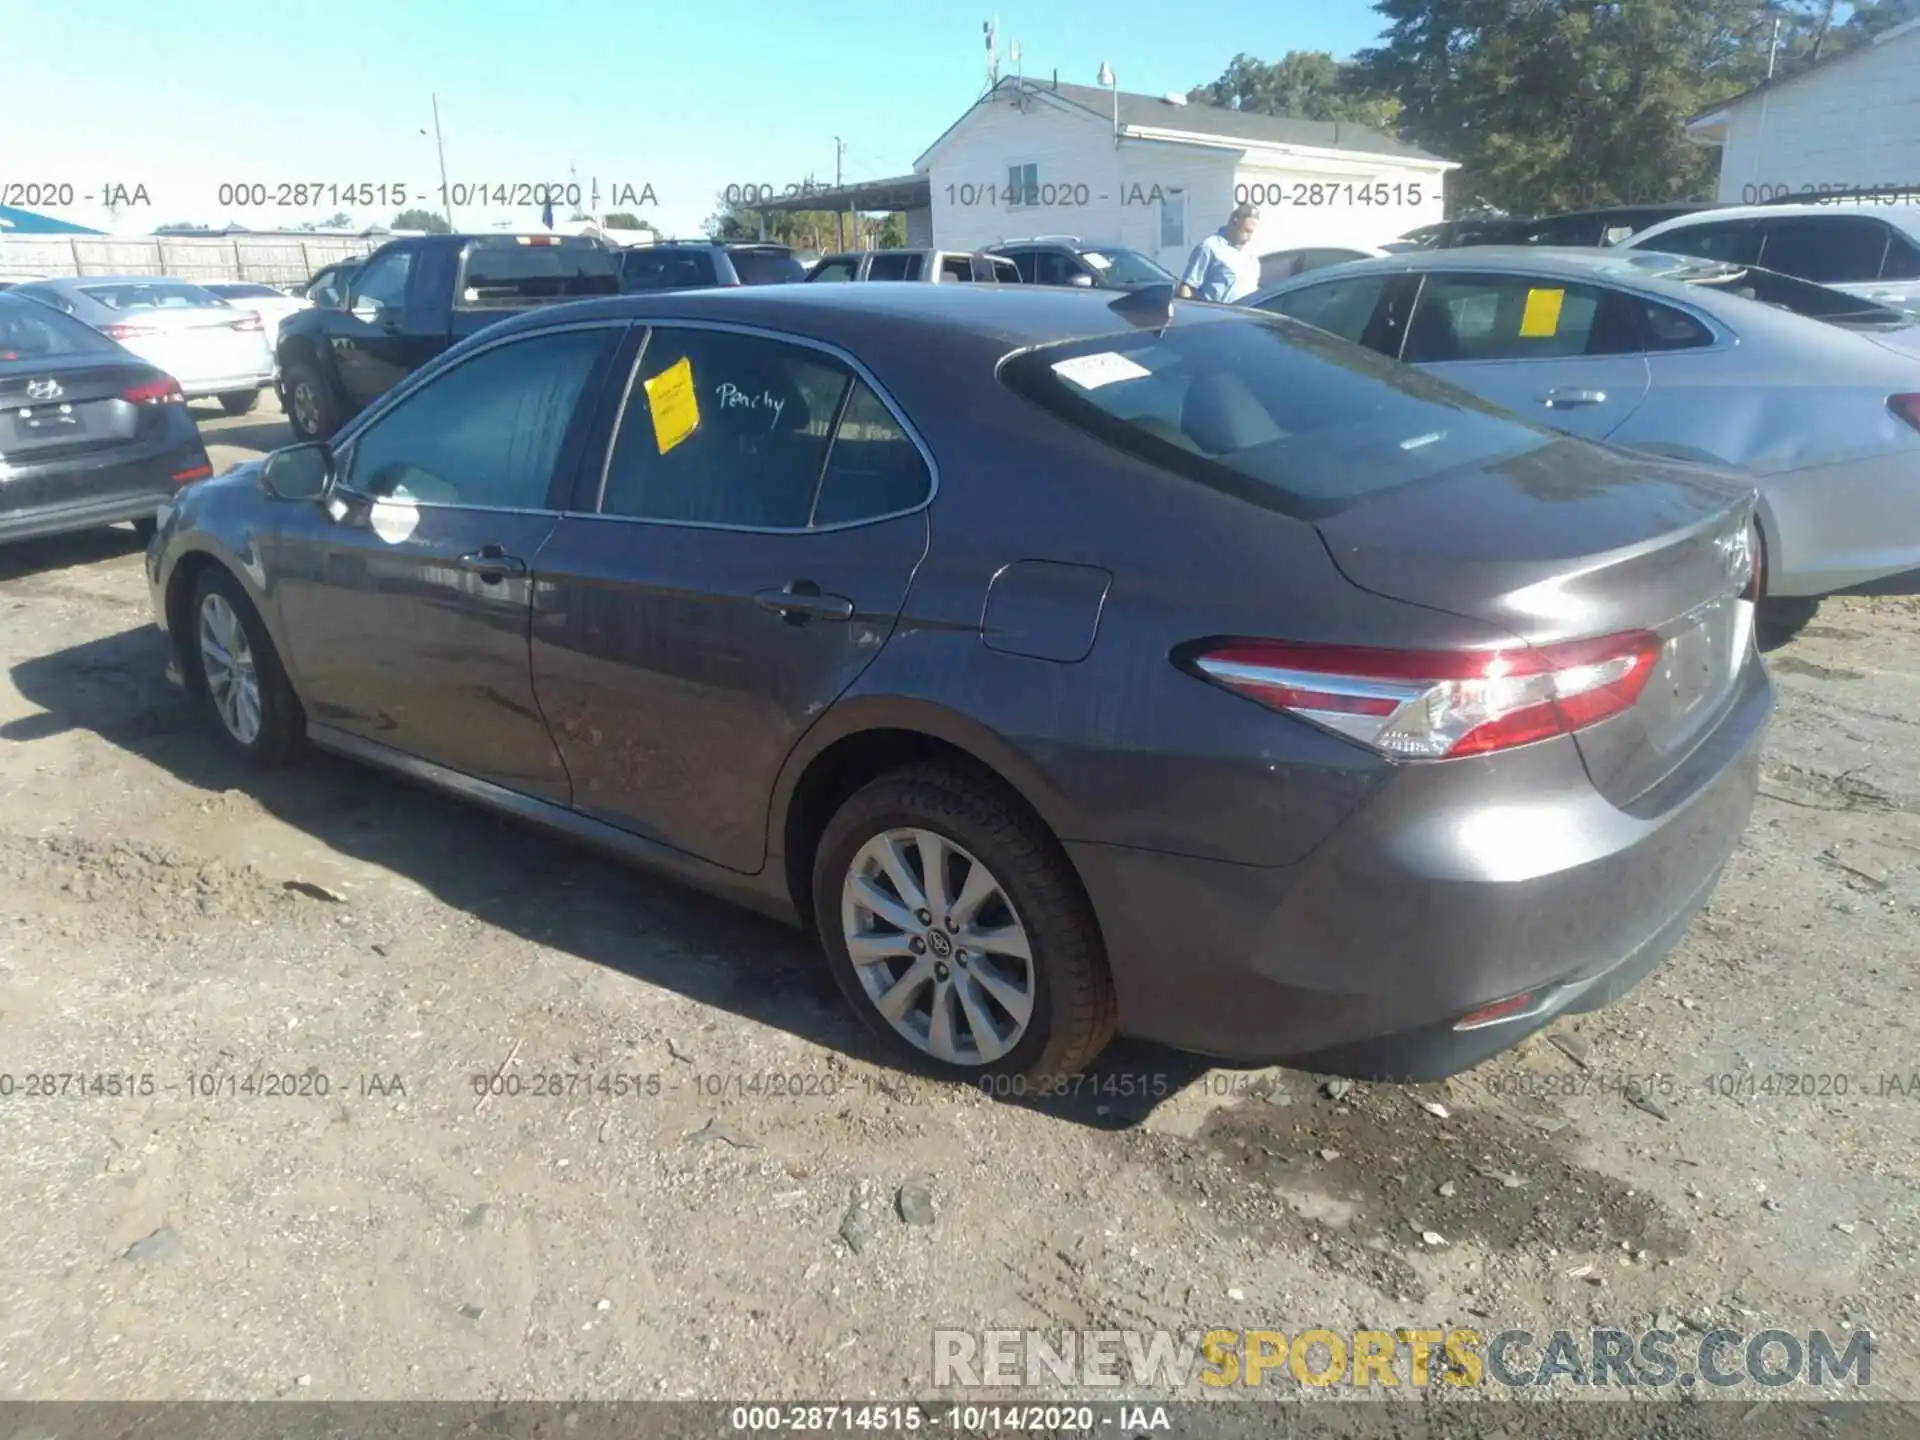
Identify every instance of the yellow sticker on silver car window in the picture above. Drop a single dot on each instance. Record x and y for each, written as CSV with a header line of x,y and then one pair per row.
x,y
676,412
1542,317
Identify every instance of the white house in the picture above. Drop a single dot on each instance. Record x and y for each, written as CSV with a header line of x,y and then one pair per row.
x,y
1851,122
1157,174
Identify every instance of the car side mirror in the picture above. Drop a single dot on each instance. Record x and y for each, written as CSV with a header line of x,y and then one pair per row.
x,y
299,472
1085,282
366,308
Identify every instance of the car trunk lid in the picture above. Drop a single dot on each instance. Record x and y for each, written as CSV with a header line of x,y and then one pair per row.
x,y
62,405
1570,541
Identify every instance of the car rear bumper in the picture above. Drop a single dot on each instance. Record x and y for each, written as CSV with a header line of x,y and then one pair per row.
x,y
85,495
1454,887
200,388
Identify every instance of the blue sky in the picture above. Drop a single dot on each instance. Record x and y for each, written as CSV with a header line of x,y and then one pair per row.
x,y
684,97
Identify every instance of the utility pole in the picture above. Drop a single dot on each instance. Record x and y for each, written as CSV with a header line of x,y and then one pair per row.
x,y
446,194
839,225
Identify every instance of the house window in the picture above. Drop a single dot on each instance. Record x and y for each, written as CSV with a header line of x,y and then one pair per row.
x,y
1173,219
1023,184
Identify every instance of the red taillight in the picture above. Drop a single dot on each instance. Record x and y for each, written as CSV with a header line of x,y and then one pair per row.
x,y
163,391
128,332
1440,704
1493,1014
538,239
248,321
1907,407
191,474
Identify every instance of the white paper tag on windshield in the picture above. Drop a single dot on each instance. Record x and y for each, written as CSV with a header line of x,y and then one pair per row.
x,y
1090,372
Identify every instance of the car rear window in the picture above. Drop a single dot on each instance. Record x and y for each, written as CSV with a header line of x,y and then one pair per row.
x,y
508,272
766,267
31,331
1280,414
247,292
149,295
667,270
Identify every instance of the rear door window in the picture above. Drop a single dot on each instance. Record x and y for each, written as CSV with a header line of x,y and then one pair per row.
x,y
1735,241
1051,267
1903,258
1027,262
832,271
1288,418
766,267
1516,317
761,411
892,267
1826,249
956,267
1340,307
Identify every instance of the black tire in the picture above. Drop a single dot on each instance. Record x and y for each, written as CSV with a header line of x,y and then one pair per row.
x,y
239,402
1776,619
144,527
1074,1010
282,722
312,408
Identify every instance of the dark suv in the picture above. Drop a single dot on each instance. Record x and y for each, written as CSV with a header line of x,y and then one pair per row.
x,y
1065,260
695,265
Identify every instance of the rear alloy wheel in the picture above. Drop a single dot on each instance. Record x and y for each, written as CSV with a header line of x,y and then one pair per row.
x,y
239,402
310,405
239,671
957,929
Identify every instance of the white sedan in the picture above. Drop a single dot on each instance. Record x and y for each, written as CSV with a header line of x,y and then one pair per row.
x,y
206,343
271,305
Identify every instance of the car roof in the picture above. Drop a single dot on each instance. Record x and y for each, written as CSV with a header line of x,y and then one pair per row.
x,y
911,316
1907,217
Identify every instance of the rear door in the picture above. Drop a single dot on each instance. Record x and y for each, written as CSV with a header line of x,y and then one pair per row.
x,y
742,561
1735,241
1555,352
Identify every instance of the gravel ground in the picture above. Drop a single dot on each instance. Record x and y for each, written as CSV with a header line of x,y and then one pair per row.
x,y
673,1225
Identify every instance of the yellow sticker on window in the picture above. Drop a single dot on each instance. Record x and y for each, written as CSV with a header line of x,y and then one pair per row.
x,y
676,413
1542,319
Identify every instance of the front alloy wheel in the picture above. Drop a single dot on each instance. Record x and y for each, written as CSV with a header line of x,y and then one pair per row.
x,y
938,947
226,658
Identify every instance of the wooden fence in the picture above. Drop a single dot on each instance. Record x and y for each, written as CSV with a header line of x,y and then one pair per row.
x,y
276,260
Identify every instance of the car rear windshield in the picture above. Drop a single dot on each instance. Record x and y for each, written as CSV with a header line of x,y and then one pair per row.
x,y
32,331
1125,267
1273,411
247,292
511,272
767,267
150,295
667,269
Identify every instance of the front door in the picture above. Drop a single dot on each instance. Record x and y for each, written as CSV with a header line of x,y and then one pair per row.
x,y
369,337
763,514
405,604
1553,352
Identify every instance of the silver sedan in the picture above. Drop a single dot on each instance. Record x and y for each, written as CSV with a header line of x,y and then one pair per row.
x,y
1812,392
212,347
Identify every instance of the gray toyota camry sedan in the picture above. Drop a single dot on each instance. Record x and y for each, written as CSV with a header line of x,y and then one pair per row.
x,y
1071,663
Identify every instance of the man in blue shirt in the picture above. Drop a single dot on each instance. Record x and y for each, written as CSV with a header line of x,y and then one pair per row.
x,y
1223,266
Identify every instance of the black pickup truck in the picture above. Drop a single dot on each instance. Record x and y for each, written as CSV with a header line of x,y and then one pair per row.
x,y
413,298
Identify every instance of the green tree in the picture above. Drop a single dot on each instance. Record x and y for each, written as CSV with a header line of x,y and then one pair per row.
x,y
1564,104
339,220
1303,84
802,229
1870,17
427,220
624,220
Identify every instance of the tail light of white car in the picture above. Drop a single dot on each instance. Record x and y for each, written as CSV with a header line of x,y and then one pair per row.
x,y
1439,704
124,331
248,321
1907,407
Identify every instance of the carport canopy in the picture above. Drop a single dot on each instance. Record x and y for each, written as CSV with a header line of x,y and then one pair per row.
x,y
903,192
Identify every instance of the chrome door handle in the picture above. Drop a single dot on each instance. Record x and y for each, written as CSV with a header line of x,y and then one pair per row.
x,y
1567,395
799,601
492,564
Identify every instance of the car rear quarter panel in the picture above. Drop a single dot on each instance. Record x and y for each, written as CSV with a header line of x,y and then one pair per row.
x,y
1122,747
